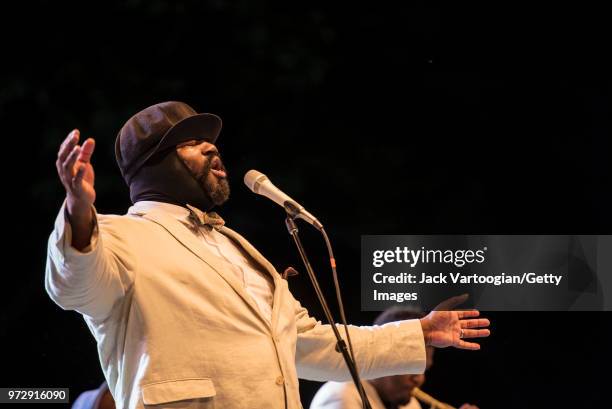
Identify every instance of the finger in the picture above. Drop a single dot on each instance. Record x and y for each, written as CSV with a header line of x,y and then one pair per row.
x,y
451,303
468,314
77,180
477,323
68,145
68,165
476,333
71,138
87,150
468,345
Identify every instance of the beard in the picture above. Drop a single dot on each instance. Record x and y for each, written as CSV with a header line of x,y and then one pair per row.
x,y
217,191
218,194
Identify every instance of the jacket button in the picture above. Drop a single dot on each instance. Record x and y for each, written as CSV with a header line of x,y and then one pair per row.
x,y
279,380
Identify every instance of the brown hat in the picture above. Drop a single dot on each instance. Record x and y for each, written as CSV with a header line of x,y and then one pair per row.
x,y
157,128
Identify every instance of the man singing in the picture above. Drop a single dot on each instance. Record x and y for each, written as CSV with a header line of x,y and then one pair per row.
x,y
185,311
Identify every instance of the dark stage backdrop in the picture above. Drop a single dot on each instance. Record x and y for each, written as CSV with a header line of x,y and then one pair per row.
x,y
380,118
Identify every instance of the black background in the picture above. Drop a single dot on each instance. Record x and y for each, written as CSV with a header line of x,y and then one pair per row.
x,y
381,118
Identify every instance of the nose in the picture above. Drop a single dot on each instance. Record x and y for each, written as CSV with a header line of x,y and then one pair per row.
x,y
418,380
208,148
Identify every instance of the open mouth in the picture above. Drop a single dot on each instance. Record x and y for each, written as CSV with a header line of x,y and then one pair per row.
x,y
217,168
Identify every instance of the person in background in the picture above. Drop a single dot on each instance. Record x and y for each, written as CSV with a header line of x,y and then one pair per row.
x,y
100,398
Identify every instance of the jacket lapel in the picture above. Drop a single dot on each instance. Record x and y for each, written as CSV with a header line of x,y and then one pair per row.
x,y
265,264
189,240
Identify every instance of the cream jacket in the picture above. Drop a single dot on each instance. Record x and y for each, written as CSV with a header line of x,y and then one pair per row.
x,y
176,329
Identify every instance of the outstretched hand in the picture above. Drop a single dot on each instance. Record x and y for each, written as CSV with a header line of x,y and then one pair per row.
x,y
77,175
443,327
76,172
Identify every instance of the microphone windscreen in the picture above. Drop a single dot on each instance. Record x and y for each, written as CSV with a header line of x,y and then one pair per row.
x,y
251,177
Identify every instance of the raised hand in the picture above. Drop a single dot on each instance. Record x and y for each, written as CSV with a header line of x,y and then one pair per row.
x,y
443,328
75,170
77,175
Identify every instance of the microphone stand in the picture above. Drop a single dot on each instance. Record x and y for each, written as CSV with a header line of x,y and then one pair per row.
x,y
340,343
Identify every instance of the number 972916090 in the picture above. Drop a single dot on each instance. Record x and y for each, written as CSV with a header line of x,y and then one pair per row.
x,y
34,395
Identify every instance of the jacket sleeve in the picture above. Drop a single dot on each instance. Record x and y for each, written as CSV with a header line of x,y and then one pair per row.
x,y
89,281
391,349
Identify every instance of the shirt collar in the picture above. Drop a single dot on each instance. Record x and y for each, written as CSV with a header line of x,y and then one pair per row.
x,y
178,212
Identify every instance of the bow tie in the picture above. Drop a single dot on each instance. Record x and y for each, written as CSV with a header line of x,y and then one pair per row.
x,y
209,219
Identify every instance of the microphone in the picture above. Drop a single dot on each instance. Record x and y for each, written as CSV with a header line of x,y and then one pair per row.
x,y
260,184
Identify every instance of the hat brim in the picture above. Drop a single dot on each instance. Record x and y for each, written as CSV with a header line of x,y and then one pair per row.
x,y
199,127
